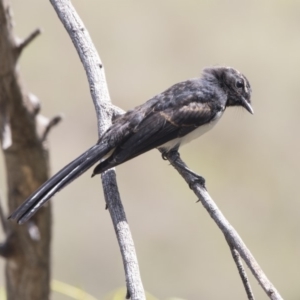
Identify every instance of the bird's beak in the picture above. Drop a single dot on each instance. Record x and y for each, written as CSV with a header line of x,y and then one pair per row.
x,y
247,105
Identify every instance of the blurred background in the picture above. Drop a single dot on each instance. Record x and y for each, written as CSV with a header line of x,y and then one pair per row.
x,y
251,163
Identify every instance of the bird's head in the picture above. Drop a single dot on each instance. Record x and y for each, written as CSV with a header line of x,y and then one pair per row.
x,y
235,85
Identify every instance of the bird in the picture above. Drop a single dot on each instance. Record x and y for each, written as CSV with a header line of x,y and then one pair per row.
x,y
167,121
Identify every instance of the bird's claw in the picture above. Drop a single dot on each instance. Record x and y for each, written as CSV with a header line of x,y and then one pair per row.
x,y
197,180
164,156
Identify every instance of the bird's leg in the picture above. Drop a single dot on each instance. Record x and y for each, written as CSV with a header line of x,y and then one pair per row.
x,y
174,157
171,155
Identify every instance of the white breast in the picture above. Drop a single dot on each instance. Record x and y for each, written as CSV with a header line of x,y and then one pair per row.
x,y
194,134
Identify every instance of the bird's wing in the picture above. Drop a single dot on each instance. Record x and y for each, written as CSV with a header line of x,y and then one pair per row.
x,y
158,128
163,126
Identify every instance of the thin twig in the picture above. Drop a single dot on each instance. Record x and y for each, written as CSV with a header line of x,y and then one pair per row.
x,y
231,236
52,122
24,43
100,95
237,259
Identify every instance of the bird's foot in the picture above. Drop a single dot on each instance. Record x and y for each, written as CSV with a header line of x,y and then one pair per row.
x,y
197,179
173,155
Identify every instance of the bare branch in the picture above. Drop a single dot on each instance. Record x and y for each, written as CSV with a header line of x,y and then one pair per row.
x,y
130,262
52,122
100,95
24,43
44,125
24,155
90,60
232,237
237,259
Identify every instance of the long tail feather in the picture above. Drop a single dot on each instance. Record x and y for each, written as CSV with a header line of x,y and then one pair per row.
x,y
61,179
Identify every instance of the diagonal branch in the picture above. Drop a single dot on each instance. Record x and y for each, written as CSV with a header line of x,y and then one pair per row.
x,y
24,43
50,124
231,236
237,259
100,95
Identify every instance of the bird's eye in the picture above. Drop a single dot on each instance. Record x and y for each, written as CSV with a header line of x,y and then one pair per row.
x,y
239,84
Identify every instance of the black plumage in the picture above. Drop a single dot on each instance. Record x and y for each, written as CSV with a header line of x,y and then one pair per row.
x,y
181,113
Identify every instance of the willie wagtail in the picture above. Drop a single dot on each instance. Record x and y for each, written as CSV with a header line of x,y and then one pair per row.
x,y
176,116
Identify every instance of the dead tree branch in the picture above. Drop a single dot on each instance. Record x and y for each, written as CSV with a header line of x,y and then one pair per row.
x,y
48,125
231,236
237,259
24,43
99,91
26,162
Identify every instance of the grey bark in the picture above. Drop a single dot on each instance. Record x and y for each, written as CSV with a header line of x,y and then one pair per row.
x,y
105,112
26,248
232,237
